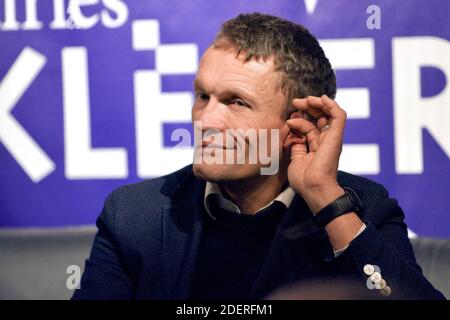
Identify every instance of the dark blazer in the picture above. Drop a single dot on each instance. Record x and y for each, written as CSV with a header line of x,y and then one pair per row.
x,y
149,237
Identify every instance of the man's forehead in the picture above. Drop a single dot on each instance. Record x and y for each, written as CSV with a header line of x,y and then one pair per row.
x,y
229,55
226,63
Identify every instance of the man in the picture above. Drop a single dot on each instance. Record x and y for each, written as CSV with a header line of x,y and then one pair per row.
x,y
223,229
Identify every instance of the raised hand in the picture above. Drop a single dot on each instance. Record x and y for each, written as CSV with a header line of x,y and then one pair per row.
x,y
316,138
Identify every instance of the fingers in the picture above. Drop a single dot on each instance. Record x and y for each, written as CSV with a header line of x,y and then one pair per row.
x,y
294,138
312,105
298,150
328,125
322,123
317,106
306,128
322,107
297,144
338,115
307,106
303,115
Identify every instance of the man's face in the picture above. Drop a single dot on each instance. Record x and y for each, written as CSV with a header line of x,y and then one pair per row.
x,y
233,94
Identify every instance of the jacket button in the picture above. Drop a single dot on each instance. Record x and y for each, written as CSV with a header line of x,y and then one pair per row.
x,y
369,269
386,291
376,277
381,284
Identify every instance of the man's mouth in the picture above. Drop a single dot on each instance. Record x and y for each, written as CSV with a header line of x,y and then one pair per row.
x,y
215,145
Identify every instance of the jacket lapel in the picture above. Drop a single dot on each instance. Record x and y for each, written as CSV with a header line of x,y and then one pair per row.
x,y
181,232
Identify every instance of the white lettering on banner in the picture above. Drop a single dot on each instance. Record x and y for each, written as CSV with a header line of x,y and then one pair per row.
x,y
17,141
10,22
310,6
114,15
59,15
119,9
82,161
355,101
348,54
361,158
79,19
31,20
145,34
412,113
154,108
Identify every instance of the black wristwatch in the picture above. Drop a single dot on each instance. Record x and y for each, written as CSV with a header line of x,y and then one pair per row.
x,y
348,202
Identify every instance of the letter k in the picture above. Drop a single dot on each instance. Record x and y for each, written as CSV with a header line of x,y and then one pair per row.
x,y
30,156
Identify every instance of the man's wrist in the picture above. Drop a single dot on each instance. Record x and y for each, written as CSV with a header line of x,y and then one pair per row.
x,y
319,198
341,231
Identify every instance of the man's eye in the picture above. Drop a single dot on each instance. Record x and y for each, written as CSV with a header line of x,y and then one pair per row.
x,y
202,96
239,103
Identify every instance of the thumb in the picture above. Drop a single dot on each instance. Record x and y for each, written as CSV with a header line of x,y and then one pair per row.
x,y
298,150
297,145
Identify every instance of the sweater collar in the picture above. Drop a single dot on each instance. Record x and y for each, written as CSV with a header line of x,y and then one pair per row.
x,y
285,197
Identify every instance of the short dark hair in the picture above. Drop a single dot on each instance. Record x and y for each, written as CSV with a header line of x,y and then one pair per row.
x,y
297,53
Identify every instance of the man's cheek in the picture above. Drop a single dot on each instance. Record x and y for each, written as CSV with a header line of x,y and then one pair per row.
x,y
194,114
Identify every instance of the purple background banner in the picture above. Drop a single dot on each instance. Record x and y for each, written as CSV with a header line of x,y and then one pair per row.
x,y
92,96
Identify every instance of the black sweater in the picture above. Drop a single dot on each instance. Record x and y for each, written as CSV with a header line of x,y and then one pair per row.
x,y
232,249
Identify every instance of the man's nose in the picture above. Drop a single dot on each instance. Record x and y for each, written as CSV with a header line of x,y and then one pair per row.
x,y
213,116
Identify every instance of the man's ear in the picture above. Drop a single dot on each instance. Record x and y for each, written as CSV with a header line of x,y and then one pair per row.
x,y
289,110
293,113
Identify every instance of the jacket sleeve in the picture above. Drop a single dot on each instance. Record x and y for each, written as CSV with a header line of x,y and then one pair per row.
x,y
104,275
384,243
